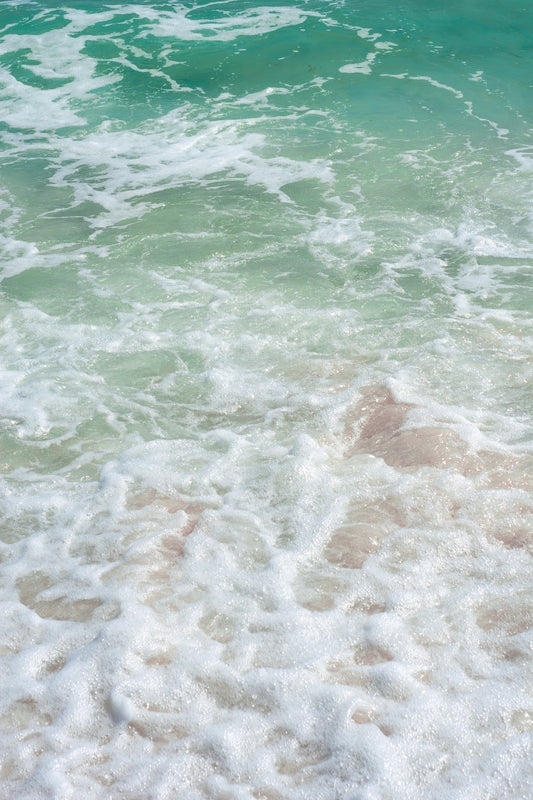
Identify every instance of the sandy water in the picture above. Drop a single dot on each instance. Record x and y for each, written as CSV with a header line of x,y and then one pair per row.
x,y
265,442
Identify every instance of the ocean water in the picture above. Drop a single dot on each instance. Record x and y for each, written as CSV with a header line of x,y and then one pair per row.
x,y
266,411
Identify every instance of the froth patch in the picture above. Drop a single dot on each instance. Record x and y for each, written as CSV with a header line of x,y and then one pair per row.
x,y
515,531
253,22
351,545
509,616
190,510
360,535
151,561
379,425
56,72
365,67
422,479
130,170
39,592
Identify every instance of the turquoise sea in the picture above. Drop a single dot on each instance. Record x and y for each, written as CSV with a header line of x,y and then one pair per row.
x,y
266,380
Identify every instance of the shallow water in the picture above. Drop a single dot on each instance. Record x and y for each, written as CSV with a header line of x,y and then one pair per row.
x,y
267,366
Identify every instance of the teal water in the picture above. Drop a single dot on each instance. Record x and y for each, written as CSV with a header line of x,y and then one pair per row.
x,y
265,411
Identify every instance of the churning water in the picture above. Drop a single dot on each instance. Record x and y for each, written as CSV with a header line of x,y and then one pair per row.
x,y
266,400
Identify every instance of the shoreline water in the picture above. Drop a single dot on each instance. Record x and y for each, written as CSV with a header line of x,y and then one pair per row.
x,y
265,412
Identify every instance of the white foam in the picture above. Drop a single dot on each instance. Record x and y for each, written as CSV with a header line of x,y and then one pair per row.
x,y
381,47
524,157
258,21
234,655
59,57
501,132
364,67
427,79
131,165
437,84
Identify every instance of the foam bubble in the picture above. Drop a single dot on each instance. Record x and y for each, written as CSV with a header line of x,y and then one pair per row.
x,y
59,59
257,22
